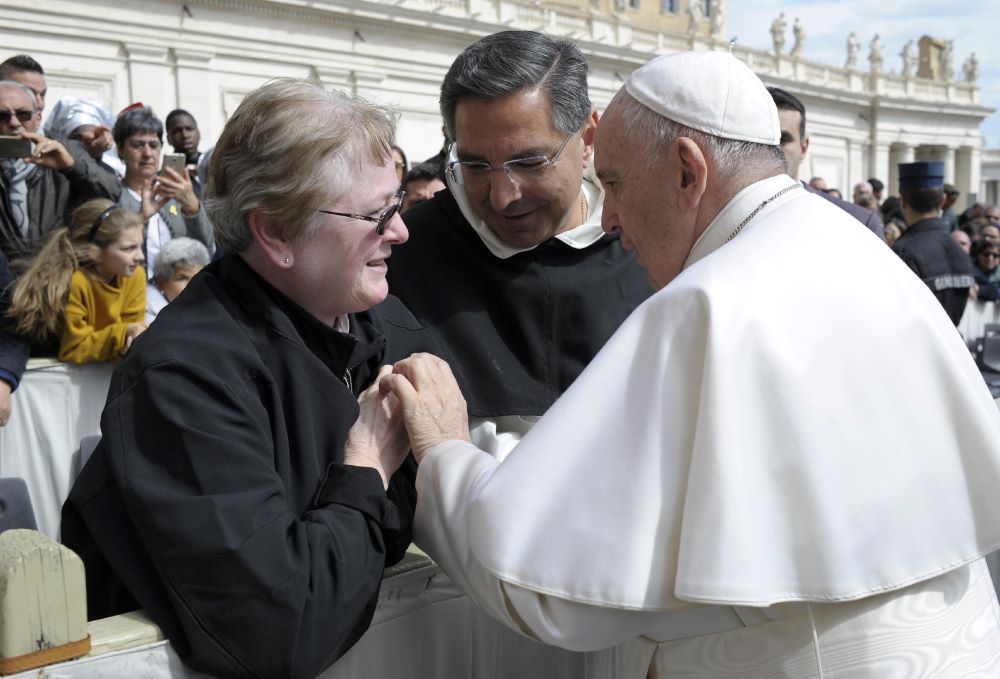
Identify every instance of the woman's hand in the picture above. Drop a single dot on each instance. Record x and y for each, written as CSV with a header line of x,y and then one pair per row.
x,y
131,332
178,187
152,201
378,438
433,406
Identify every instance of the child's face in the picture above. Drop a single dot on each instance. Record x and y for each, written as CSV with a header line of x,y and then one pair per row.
x,y
121,257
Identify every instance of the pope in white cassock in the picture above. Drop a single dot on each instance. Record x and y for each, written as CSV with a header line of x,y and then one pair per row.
x,y
722,488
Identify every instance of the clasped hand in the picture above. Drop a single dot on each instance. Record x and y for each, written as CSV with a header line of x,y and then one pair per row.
x,y
413,404
434,409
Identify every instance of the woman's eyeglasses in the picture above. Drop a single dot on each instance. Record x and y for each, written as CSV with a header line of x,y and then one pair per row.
x,y
381,219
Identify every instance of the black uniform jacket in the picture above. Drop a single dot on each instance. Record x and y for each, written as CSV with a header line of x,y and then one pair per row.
x,y
515,331
928,249
218,498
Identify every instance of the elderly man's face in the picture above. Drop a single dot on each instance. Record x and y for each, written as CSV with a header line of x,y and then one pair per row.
x,y
519,125
36,83
990,234
794,146
639,202
963,240
15,102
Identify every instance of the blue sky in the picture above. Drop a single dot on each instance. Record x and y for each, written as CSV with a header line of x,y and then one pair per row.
x,y
973,27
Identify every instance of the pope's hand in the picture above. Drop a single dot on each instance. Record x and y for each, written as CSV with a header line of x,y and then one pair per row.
x,y
378,439
433,406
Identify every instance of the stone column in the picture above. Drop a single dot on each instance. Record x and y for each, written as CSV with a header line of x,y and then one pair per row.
x,y
879,161
898,153
947,154
968,176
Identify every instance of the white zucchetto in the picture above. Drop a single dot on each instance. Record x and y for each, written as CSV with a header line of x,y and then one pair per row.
x,y
735,106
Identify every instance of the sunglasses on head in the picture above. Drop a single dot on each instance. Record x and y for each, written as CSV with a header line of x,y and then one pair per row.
x,y
22,115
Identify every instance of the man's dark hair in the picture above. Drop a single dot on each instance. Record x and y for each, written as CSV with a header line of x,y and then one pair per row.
x,y
789,102
890,208
923,200
510,61
421,172
176,113
877,185
19,63
136,121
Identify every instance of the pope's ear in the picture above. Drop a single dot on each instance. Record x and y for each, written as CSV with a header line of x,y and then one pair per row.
x,y
691,171
267,235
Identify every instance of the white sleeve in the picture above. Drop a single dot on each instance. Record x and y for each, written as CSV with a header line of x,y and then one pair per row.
x,y
498,435
448,480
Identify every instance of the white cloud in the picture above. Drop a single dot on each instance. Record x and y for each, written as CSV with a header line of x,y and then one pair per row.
x,y
827,23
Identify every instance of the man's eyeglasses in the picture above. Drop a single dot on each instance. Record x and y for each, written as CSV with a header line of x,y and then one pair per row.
x,y
990,255
519,170
23,115
381,219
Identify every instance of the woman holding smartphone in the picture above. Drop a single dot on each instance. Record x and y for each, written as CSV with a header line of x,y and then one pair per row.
x,y
165,198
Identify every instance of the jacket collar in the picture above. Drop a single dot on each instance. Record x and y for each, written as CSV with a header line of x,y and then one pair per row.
x,y
258,299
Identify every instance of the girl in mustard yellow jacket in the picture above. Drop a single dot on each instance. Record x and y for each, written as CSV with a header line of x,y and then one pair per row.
x,y
83,285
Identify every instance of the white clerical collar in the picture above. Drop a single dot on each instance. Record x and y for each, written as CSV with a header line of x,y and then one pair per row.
x,y
578,237
737,210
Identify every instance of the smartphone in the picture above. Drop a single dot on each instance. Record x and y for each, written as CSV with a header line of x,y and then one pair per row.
x,y
175,161
15,147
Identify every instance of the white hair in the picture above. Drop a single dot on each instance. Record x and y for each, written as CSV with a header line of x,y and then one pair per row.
x,y
178,252
655,133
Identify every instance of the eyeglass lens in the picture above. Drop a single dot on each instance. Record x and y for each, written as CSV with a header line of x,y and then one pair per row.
x,y
22,115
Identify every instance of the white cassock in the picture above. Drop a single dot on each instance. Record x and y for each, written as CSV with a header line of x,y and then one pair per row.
x,y
784,464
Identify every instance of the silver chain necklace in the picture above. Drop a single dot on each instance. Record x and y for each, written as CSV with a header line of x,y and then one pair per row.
x,y
739,227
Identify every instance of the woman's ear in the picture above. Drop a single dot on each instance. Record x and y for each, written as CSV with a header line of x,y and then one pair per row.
x,y
273,245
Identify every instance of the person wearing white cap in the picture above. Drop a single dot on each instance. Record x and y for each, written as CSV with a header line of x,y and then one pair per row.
x,y
713,491
88,121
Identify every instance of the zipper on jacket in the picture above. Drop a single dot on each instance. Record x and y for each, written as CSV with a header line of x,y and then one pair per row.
x,y
379,346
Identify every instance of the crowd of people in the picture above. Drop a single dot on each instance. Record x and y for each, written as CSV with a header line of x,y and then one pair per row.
x,y
630,418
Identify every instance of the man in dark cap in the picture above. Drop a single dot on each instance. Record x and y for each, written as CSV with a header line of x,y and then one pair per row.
x,y
926,247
